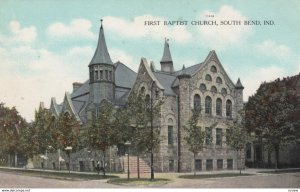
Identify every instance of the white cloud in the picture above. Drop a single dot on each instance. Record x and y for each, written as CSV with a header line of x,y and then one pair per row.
x,y
76,28
137,29
19,35
221,36
30,75
259,75
123,57
271,48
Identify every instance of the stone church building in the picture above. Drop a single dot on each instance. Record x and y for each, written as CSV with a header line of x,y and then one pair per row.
x,y
205,86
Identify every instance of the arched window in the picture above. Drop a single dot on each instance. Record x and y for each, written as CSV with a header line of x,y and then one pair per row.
x,y
208,105
170,131
213,69
219,80
228,108
147,101
224,91
208,77
213,89
197,102
219,106
143,90
203,87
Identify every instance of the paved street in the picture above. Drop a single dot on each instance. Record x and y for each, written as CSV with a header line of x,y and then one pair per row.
x,y
11,180
287,180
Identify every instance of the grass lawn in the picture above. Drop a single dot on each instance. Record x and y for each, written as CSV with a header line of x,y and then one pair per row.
x,y
206,176
139,182
278,171
58,175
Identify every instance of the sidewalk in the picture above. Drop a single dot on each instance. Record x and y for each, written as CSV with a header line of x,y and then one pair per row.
x,y
168,175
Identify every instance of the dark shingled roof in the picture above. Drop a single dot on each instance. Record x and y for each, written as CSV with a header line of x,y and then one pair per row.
x,y
123,99
101,54
166,80
124,76
189,70
82,90
78,105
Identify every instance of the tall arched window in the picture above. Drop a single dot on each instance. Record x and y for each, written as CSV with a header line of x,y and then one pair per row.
x,y
219,106
170,131
197,102
208,104
147,101
143,89
228,108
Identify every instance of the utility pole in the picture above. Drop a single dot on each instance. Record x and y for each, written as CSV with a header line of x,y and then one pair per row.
x,y
151,119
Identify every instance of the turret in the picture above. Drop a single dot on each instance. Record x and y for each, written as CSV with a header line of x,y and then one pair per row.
x,y
102,73
183,114
239,97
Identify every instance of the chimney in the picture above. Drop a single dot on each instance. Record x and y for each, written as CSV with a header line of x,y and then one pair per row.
x,y
76,85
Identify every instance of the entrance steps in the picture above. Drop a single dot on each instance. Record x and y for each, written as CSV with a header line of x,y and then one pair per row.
x,y
144,167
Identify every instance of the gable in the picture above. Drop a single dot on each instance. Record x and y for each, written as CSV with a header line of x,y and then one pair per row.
x,y
67,106
53,107
145,76
212,67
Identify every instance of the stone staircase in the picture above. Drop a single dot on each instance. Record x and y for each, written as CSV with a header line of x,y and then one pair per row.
x,y
144,167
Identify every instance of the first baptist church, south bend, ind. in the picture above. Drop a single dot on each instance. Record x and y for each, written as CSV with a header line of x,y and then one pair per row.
x,y
205,84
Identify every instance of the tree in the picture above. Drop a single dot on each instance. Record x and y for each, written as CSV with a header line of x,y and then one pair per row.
x,y
195,137
11,125
237,138
42,132
100,133
138,121
143,111
121,131
270,114
67,133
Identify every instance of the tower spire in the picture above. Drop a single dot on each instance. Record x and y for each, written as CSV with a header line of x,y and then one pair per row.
x,y
101,55
167,54
166,60
238,84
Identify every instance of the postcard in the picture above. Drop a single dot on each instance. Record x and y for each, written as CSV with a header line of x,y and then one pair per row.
x,y
159,94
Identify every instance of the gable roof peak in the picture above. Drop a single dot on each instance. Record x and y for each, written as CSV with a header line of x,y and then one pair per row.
x,y
152,66
101,55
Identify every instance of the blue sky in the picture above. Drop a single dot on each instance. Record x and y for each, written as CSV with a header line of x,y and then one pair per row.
x,y
47,45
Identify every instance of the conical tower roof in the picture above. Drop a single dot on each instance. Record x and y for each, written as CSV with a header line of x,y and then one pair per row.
x,y
167,54
101,54
239,85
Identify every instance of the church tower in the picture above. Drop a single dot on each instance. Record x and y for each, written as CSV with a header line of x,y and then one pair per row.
x,y
166,60
102,73
239,98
